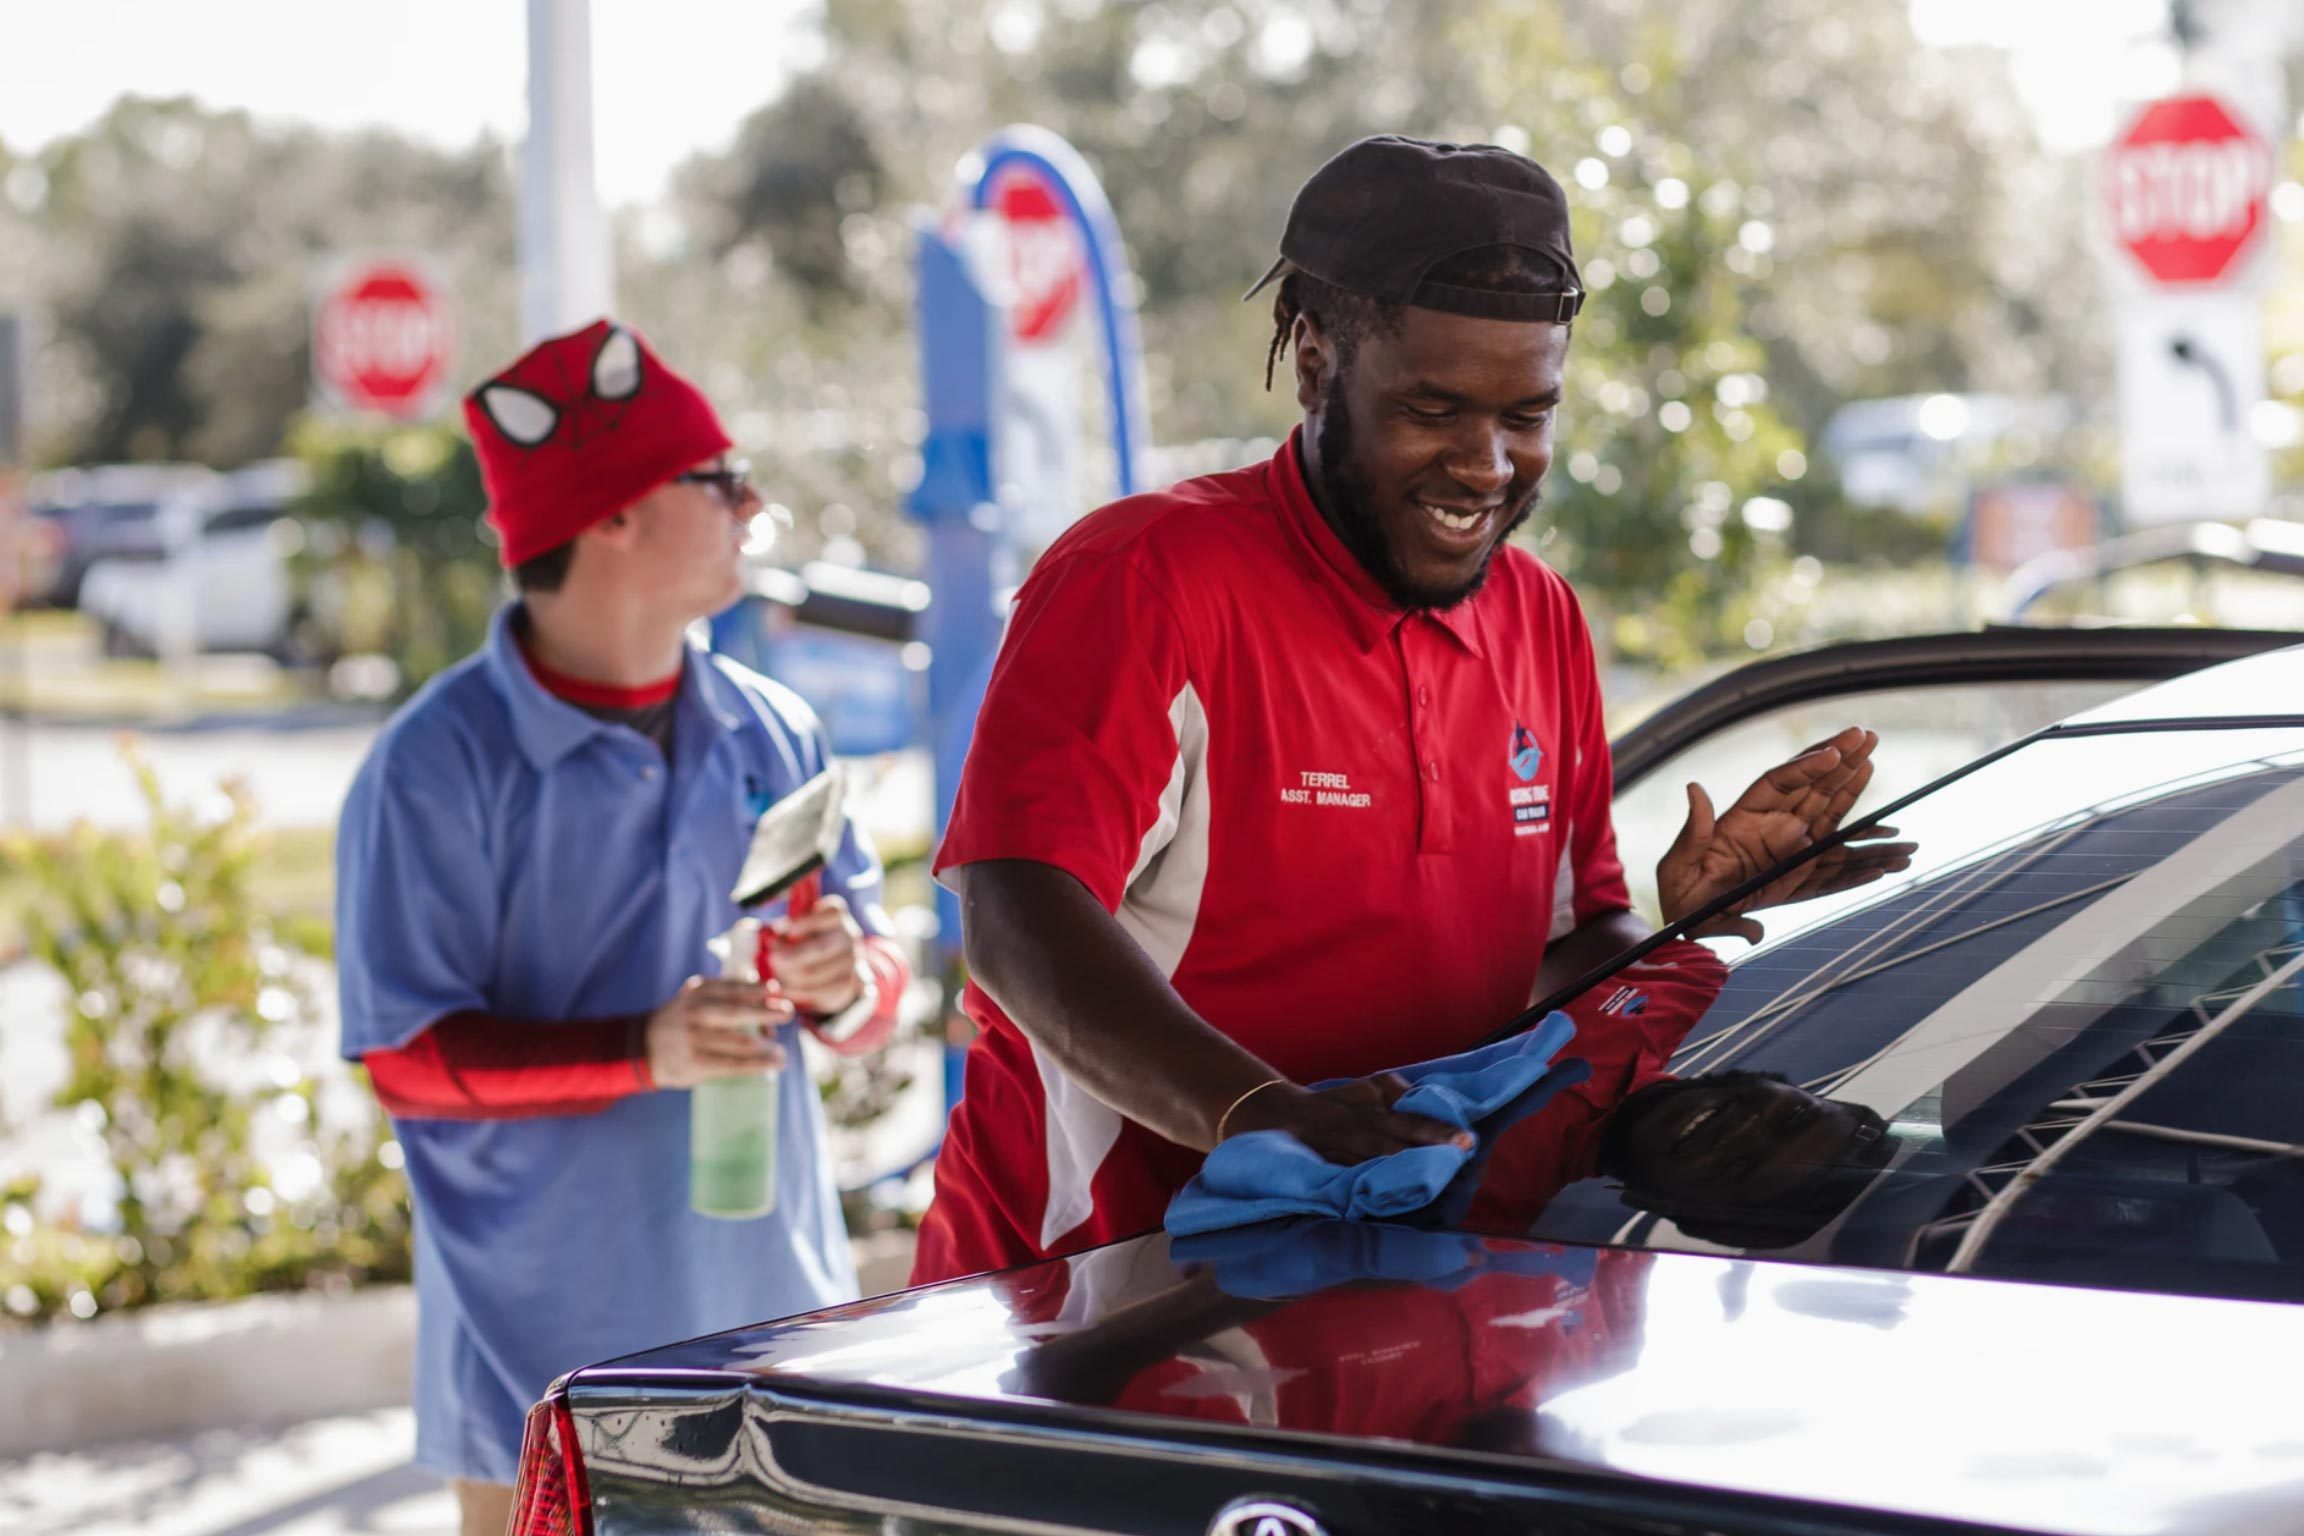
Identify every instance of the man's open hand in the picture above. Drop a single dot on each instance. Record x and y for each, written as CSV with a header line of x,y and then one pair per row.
x,y
1786,809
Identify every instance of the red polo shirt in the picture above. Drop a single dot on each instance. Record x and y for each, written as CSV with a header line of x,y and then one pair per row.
x,y
1344,831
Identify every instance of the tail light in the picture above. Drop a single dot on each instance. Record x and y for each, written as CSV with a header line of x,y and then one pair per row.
x,y
551,1499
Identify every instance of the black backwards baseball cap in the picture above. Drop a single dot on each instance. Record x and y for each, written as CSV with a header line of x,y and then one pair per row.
x,y
1389,209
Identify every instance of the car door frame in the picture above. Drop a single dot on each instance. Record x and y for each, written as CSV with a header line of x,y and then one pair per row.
x,y
1978,658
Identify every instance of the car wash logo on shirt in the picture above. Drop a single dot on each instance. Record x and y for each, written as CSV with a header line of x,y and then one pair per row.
x,y
1527,756
1531,801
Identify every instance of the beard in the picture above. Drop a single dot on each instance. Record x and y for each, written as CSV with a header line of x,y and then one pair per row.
x,y
1346,494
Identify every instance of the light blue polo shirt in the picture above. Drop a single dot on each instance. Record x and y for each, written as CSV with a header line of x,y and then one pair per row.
x,y
502,850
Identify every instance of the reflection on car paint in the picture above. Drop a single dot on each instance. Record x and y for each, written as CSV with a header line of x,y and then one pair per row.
x,y
2070,1015
2025,1405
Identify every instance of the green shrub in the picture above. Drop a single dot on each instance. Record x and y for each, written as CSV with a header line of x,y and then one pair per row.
x,y
397,559
184,1000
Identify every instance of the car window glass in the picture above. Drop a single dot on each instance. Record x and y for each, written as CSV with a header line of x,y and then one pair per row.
x,y
1925,733
2078,1017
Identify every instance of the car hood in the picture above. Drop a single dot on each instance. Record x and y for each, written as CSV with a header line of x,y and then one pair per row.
x,y
2024,1406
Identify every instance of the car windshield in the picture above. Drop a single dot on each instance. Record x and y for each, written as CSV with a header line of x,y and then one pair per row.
x,y
2073,1030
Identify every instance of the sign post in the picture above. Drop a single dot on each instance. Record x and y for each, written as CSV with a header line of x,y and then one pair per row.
x,y
2186,189
15,449
567,261
383,338
1030,254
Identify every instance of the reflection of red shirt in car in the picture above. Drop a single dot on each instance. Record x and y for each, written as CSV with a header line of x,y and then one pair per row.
x,y
1468,1365
1627,1028
1463,1366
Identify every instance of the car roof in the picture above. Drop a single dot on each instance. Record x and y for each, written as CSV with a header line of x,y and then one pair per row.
x,y
1950,1397
2268,684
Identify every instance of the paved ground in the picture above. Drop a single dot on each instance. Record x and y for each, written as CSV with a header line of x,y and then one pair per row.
x,y
51,774
322,1478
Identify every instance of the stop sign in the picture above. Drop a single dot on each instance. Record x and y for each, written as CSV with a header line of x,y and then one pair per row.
x,y
383,338
1045,254
2185,187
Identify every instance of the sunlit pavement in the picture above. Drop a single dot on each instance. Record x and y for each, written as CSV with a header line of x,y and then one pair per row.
x,y
348,1474
53,774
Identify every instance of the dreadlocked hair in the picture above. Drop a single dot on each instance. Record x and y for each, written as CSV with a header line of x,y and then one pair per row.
x,y
1347,318
1344,317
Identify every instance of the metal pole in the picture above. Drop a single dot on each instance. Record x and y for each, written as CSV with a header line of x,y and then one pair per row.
x,y
567,275
15,434
2236,49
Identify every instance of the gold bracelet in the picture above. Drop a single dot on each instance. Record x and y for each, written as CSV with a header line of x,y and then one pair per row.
x,y
1225,1118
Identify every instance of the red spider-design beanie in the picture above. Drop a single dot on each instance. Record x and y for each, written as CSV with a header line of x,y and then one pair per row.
x,y
578,429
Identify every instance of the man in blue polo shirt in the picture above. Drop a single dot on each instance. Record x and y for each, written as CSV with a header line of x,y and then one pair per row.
x,y
529,867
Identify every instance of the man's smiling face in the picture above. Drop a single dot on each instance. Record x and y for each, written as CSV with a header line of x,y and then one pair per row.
x,y
1428,443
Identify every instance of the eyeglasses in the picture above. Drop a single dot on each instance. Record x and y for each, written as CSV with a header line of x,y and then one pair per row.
x,y
733,483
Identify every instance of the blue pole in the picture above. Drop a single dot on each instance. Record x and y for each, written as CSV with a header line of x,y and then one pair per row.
x,y
970,560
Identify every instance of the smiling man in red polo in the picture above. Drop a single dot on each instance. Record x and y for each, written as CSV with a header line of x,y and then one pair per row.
x,y
1298,772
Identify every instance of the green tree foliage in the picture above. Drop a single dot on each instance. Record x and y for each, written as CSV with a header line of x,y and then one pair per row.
x,y
173,251
183,994
1827,209
800,166
396,558
1783,204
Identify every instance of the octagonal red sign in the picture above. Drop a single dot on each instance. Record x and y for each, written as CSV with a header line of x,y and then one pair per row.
x,y
383,339
2185,189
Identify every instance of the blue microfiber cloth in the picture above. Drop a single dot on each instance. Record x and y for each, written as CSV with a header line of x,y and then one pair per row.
x,y
1302,1255
1265,1174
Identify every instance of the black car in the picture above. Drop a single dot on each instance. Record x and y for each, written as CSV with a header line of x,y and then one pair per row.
x,y
2057,1294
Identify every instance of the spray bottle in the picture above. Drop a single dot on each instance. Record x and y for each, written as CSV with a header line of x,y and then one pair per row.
x,y
732,1120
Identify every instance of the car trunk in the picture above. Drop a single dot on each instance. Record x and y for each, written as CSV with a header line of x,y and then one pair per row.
x,y
1445,1382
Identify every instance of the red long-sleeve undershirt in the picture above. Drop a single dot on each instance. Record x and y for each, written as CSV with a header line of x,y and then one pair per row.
x,y
480,1066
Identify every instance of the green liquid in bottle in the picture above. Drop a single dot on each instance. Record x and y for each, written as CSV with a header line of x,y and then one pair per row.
x,y
732,1146
732,1120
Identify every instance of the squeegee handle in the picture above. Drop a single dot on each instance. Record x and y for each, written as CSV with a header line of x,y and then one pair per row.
x,y
800,903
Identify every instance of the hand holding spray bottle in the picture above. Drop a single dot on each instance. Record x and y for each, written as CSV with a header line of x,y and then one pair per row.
x,y
732,1120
